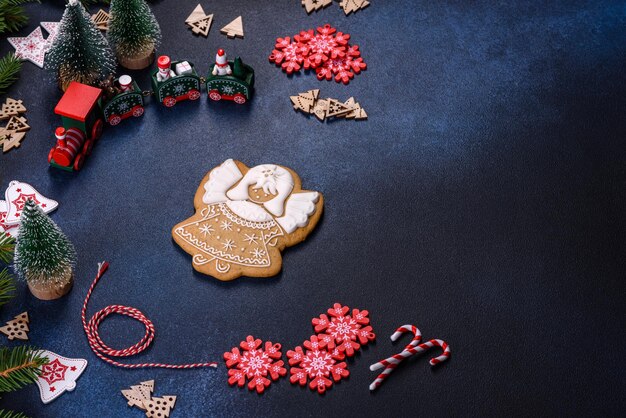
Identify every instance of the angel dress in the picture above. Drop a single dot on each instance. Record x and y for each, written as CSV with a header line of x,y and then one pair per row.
x,y
244,219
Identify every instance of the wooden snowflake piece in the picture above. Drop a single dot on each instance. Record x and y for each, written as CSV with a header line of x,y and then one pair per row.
x,y
17,327
316,364
255,364
138,394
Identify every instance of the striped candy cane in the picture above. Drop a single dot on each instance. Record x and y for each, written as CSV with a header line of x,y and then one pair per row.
x,y
397,358
392,362
104,352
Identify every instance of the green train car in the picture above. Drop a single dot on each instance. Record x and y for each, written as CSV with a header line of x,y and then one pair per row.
x,y
124,105
177,88
236,87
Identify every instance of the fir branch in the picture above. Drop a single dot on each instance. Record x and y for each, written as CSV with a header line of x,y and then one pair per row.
x,y
11,414
12,16
10,67
7,246
7,286
19,366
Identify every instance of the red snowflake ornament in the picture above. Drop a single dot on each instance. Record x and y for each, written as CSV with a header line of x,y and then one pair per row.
x,y
317,364
326,50
343,331
255,364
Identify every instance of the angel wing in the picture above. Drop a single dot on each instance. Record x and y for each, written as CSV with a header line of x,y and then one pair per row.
x,y
299,207
221,179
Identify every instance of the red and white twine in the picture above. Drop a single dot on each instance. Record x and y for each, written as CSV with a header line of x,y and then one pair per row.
x,y
414,347
104,352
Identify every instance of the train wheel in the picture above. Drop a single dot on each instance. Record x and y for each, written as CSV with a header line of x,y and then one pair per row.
x,y
88,147
215,95
96,131
78,162
194,94
50,154
169,101
137,111
239,98
114,120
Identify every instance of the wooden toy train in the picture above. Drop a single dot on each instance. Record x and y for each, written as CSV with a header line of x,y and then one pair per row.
x,y
84,109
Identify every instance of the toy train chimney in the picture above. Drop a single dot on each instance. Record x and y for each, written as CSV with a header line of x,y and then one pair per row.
x,y
60,135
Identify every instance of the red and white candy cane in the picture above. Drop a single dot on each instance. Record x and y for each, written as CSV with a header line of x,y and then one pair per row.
x,y
397,358
104,351
390,363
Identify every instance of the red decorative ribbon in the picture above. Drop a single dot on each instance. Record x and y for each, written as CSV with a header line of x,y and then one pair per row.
x,y
103,351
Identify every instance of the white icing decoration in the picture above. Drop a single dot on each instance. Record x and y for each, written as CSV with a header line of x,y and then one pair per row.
x,y
248,210
273,179
220,180
297,211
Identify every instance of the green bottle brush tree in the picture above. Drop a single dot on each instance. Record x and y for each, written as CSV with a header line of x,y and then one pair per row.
x,y
44,256
79,52
133,33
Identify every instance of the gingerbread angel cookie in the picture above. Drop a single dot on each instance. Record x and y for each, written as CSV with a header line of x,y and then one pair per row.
x,y
245,217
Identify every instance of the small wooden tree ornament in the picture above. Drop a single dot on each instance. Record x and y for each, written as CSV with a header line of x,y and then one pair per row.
x,y
201,26
315,5
336,108
234,28
17,124
159,407
101,19
11,107
305,101
17,327
138,394
320,109
12,140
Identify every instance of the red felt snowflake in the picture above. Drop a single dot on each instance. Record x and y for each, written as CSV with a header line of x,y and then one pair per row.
x,y
325,50
255,364
317,364
343,331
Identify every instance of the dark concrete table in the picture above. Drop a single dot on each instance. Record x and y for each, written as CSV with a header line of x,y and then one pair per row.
x,y
483,201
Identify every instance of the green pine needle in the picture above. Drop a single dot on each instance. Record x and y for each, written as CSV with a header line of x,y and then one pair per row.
x,y
11,414
7,286
19,366
10,67
7,246
12,16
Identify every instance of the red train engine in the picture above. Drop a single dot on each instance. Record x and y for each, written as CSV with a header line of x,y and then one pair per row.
x,y
81,113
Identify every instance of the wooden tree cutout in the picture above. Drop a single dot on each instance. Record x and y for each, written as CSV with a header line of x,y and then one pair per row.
x,y
12,140
202,26
159,407
17,327
197,14
11,107
350,6
101,19
336,108
138,394
315,5
17,124
305,101
234,28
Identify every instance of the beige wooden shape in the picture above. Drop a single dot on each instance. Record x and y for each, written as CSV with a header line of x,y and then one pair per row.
x,y
234,28
197,14
202,26
12,140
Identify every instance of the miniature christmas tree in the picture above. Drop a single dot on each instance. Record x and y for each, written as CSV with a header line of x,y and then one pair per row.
x,y
133,33
44,257
79,51
19,366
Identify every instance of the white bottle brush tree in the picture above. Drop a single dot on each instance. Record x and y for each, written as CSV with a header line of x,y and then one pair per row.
x,y
79,52
44,256
133,33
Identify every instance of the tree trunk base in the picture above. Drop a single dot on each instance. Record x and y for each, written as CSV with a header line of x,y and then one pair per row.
x,y
137,63
51,291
